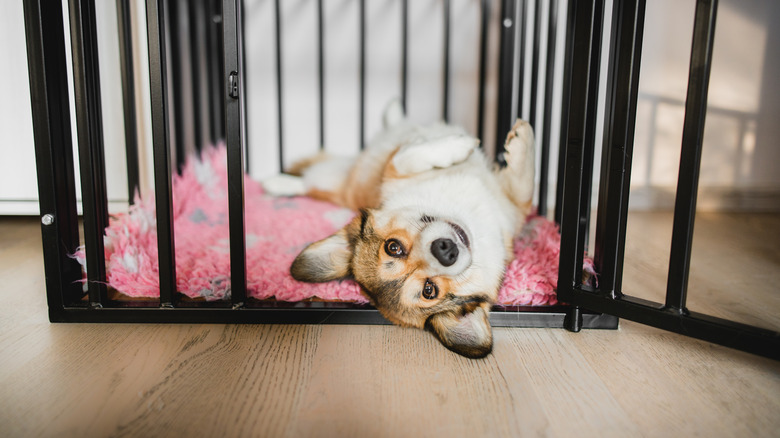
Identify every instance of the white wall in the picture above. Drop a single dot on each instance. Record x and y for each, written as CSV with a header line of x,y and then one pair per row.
x,y
18,180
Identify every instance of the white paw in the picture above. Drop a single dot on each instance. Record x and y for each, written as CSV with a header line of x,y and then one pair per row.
x,y
284,185
434,154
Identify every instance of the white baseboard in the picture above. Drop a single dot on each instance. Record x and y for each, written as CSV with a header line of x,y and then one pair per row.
x,y
30,207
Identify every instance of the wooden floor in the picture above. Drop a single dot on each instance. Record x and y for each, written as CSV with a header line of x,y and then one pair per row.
x,y
253,380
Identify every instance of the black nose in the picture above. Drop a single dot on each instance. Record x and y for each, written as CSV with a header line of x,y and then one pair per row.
x,y
445,251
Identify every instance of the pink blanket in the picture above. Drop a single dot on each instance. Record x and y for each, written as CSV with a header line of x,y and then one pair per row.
x,y
277,229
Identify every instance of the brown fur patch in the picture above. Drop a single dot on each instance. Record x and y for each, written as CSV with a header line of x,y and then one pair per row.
x,y
390,172
299,167
325,195
359,194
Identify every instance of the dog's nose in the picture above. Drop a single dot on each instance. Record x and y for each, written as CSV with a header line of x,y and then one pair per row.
x,y
445,251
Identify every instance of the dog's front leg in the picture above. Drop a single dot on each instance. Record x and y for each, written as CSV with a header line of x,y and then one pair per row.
x,y
433,154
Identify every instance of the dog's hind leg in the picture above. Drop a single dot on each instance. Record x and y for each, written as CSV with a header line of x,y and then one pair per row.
x,y
284,185
517,178
321,176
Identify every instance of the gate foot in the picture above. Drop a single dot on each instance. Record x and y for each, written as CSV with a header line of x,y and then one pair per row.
x,y
573,319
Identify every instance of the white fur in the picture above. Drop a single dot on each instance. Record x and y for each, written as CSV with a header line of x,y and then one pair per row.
x,y
469,195
428,154
284,185
328,175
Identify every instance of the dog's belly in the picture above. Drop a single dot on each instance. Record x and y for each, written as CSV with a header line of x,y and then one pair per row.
x,y
467,190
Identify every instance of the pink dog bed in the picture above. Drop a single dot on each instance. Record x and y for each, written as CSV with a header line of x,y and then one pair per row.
x,y
277,229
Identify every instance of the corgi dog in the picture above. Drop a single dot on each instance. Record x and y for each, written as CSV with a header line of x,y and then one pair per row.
x,y
435,227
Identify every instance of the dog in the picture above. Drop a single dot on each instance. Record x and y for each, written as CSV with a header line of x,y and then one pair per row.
x,y
435,227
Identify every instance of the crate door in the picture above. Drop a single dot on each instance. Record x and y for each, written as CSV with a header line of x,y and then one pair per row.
x,y
585,24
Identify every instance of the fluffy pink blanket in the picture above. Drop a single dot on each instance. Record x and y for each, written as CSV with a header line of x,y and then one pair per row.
x,y
277,229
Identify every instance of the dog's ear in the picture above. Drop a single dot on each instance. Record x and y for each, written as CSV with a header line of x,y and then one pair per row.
x,y
330,258
325,260
465,332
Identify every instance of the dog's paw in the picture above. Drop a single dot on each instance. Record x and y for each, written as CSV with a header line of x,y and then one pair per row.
x,y
434,154
518,175
284,185
519,144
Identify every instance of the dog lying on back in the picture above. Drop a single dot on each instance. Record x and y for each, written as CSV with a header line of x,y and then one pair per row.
x,y
435,230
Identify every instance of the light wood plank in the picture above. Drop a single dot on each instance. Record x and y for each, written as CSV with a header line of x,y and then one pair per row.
x,y
390,381
710,388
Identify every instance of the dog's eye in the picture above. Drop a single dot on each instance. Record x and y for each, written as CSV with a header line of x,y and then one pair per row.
x,y
393,248
430,290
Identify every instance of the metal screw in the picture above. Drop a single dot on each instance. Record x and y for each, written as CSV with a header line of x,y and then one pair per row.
x,y
507,22
47,219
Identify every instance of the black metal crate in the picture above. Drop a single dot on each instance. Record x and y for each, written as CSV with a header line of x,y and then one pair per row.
x,y
213,39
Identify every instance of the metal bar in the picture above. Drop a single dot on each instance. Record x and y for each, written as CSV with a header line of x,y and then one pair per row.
x,y
279,82
483,55
244,91
619,120
321,69
362,80
86,87
549,87
590,120
46,62
445,110
234,122
577,87
522,23
214,61
690,156
731,334
175,73
568,77
124,27
535,64
186,76
404,53
505,75
155,21
197,23
320,313
558,213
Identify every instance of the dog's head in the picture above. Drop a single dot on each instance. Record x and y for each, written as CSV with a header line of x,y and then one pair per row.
x,y
419,270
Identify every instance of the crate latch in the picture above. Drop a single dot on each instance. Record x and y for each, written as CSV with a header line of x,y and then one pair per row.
x,y
233,85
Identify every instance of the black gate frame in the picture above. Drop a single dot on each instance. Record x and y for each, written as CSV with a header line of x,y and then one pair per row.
x,y
51,121
60,233
585,21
